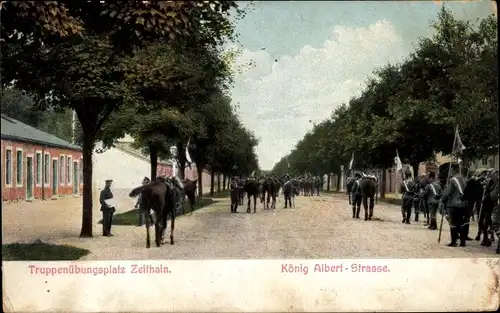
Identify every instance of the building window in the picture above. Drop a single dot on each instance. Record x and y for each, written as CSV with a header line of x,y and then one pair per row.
x,y
68,169
8,167
19,167
46,168
38,168
61,170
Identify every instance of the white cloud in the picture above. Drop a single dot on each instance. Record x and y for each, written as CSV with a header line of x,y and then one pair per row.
x,y
278,99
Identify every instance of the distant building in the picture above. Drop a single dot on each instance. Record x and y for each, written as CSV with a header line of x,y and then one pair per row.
x,y
127,166
36,164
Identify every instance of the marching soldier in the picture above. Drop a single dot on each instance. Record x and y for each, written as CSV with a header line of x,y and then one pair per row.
x,y
356,196
456,207
407,189
107,210
433,194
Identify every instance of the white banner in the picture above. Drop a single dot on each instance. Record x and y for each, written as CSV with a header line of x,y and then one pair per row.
x,y
259,285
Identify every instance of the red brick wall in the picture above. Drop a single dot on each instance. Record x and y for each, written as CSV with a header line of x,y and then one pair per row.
x,y
15,191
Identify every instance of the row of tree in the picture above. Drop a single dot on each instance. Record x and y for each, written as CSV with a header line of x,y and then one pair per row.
x,y
450,79
153,69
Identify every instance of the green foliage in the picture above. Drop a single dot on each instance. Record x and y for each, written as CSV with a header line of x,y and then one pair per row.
x,y
450,79
41,252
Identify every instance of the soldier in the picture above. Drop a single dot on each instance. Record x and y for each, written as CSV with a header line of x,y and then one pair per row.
x,y
234,195
141,211
356,196
407,189
456,207
106,209
432,195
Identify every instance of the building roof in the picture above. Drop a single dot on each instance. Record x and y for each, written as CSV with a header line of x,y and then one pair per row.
x,y
127,148
18,131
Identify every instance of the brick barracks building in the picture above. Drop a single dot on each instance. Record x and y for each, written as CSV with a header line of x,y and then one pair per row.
x,y
37,165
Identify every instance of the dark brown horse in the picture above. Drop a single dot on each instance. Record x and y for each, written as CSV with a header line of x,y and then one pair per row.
x,y
252,188
190,191
368,191
157,195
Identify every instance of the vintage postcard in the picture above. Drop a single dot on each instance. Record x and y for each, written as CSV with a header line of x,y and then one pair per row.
x,y
261,156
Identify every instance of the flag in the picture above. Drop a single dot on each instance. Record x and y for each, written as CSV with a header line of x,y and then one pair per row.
x,y
287,162
397,161
253,173
188,156
352,161
458,146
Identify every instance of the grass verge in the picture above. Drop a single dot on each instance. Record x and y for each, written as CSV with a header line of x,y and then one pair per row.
x,y
130,218
40,251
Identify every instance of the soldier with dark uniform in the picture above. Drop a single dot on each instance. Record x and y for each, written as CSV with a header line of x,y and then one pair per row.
x,y
234,194
407,189
432,195
356,196
456,207
107,211
139,206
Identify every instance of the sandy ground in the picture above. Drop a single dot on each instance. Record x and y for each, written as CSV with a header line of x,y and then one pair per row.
x,y
318,227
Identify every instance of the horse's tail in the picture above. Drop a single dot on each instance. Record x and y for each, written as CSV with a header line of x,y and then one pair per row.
x,y
136,191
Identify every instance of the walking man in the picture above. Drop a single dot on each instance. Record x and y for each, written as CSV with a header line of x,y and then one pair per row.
x,y
107,209
234,195
141,210
456,207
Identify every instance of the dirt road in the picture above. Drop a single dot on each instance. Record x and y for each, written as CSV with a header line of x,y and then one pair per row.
x,y
319,227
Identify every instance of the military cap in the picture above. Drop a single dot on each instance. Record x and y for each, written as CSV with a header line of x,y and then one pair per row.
x,y
108,181
455,166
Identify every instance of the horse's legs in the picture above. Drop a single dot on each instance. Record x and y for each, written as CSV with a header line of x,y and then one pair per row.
x,y
372,204
365,206
254,203
268,199
148,224
172,226
480,222
248,207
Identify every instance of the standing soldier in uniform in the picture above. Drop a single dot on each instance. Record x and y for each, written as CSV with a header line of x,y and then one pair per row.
x,y
433,195
234,195
456,207
141,210
356,196
407,189
107,210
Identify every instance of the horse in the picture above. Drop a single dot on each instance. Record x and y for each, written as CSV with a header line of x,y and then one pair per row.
x,y
266,191
190,187
241,191
275,186
368,191
252,188
157,195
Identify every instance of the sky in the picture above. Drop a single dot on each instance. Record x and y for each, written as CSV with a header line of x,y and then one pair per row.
x,y
309,57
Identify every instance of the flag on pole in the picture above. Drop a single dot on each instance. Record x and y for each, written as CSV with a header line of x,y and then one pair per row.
x,y
287,162
188,156
397,161
458,147
351,163
253,173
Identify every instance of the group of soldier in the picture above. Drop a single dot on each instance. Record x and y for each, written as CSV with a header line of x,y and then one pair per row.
x,y
267,189
459,199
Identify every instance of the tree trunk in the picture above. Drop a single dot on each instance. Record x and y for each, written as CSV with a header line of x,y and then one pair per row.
x,y
382,189
199,171
181,156
218,182
328,182
153,158
87,221
224,182
339,178
212,183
